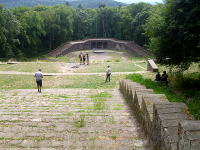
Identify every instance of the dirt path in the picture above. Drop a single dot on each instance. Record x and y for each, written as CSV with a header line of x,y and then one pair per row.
x,y
66,74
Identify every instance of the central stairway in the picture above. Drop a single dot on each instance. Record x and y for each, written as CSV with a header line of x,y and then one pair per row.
x,y
68,119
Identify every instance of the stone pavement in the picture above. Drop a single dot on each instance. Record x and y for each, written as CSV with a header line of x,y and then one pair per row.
x,y
68,119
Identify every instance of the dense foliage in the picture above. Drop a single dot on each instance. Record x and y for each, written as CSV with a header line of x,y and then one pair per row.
x,y
73,3
174,32
29,31
170,30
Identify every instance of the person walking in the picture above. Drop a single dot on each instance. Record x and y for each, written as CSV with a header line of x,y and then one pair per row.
x,y
108,74
38,77
87,59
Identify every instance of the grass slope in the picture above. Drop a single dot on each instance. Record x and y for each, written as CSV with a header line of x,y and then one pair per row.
x,y
191,98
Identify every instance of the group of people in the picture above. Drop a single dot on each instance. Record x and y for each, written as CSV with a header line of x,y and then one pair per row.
x,y
84,58
162,78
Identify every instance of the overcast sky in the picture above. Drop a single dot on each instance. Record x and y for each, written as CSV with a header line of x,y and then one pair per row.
x,y
137,1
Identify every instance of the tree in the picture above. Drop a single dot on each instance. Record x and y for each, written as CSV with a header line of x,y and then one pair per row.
x,y
33,29
154,27
177,41
9,29
139,13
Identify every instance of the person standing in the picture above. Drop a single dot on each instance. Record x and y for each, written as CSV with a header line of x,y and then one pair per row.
x,y
84,59
38,77
81,57
87,59
108,74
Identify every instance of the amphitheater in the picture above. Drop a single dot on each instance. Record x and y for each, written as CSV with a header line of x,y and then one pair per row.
x,y
96,44
127,116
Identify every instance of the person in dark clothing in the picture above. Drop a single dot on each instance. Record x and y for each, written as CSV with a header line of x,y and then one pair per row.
x,y
164,78
87,59
158,77
81,58
84,59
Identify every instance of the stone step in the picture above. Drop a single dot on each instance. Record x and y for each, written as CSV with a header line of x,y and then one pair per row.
x,y
64,119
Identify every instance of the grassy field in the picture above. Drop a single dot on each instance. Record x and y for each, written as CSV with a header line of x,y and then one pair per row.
x,y
124,66
32,67
28,82
120,61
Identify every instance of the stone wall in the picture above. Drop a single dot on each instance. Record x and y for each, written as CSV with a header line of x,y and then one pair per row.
x,y
168,126
90,44
151,65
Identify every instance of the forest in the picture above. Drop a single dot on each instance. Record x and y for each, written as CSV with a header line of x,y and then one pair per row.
x,y
171,31
73,3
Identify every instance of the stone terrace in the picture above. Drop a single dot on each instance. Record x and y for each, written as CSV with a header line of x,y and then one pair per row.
x,y
68,119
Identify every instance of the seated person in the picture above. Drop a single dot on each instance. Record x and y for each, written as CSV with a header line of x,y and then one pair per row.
x,y
158,77
164,77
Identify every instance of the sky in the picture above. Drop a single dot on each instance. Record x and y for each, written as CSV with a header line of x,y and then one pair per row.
x,y
137,1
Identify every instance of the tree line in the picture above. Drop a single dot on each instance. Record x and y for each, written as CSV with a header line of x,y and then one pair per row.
x,y
170,30
73,3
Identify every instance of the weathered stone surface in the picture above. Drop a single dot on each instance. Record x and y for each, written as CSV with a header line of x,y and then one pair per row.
x,y
165,123
151,65
169,126
189,135
147,109
52,121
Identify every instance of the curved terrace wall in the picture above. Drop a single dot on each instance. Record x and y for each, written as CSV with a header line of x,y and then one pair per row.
x,y
94,44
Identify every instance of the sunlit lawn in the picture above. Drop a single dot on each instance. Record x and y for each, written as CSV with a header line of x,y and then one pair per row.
x,y
124,66
58,67
28,82
31,67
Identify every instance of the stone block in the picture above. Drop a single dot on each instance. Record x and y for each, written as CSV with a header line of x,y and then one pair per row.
x,y
151,65
147,109
170,143
137,103
165,123
189,135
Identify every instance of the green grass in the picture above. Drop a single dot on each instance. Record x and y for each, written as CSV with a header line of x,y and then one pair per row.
x,y
142,64
32,67
102,95
80,122
54,59
78,81
191,98
123,66
99,103
63,96
137,58
99,100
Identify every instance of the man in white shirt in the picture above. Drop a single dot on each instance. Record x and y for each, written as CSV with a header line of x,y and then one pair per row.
x,y
38,77
108,73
